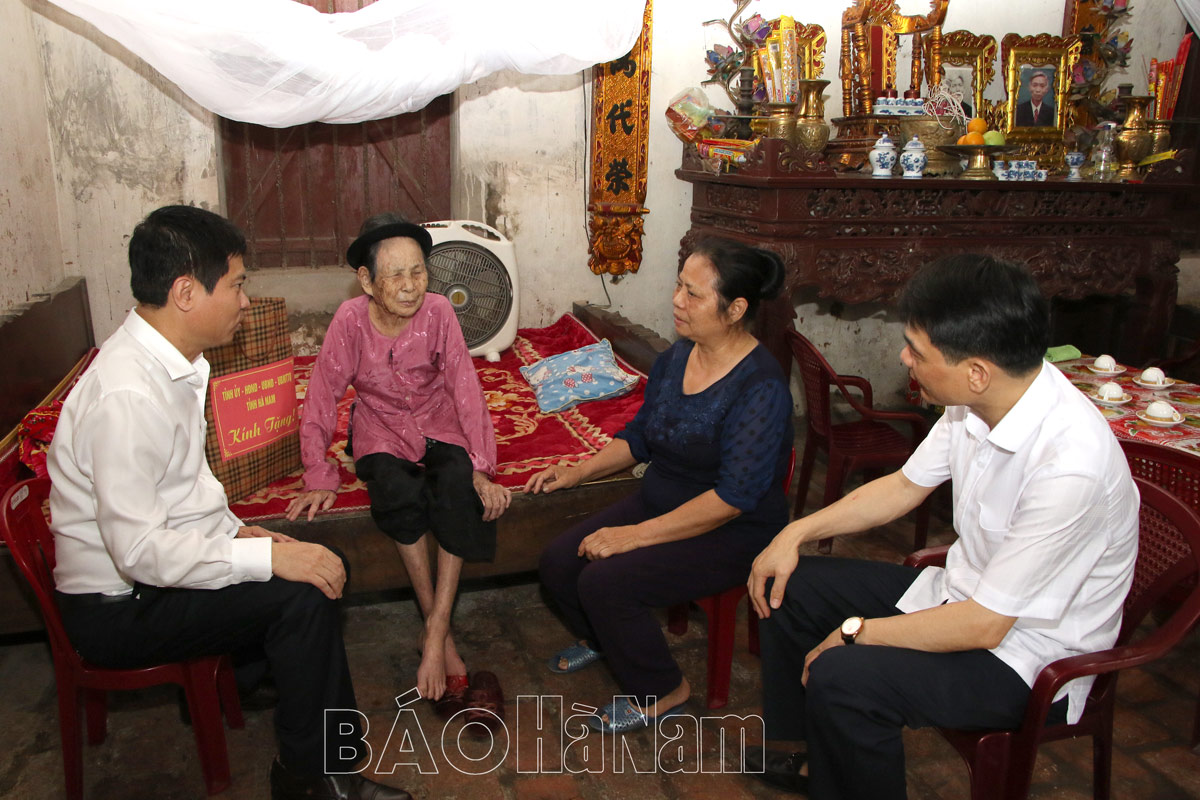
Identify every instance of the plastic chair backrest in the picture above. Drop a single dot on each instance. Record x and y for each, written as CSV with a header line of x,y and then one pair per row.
x,y
815,374
26,532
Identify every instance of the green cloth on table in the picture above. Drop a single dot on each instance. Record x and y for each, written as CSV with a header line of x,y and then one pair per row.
x,y
1064,352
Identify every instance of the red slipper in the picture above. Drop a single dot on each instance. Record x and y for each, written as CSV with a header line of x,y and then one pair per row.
x,y
485,699
453,700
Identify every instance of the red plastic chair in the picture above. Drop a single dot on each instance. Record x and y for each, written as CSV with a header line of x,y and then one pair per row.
x,y
1001,762
1179,473
865,444
208,682
721,611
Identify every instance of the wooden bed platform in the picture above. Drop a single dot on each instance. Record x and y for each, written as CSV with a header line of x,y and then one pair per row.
x,y
530,522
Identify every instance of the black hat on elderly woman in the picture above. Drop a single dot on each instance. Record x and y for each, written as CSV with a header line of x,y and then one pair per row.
x,y
356,254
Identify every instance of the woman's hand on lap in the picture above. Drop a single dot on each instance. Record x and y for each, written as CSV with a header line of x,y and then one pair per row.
x,y
607,542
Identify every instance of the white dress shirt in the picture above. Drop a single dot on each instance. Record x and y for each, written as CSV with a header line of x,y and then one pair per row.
x,y
132,497
1047,519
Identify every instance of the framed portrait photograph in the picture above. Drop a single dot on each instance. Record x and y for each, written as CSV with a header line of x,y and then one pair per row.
x,y
968,66
1037,85
1037,75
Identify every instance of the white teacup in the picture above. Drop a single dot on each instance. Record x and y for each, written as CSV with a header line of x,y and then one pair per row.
x,y
1110,391
1105,363
1160,411
1153,376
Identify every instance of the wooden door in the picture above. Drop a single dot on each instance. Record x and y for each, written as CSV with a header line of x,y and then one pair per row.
x,y
301,193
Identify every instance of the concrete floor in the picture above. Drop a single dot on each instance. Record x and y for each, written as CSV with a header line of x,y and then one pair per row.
x,y
150,754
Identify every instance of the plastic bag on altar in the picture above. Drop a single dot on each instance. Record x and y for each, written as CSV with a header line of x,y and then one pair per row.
x,y
692,118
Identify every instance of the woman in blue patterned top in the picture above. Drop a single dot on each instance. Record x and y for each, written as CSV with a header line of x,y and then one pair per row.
x,y
716,430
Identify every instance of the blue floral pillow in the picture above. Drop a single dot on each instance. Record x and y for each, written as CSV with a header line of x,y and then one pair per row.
x,y
589,373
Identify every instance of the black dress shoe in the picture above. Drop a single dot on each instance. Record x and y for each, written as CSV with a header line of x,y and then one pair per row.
x,y
287,785
777,768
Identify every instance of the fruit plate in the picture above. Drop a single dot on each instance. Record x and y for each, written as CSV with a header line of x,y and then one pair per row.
x,y
1160,423
1108,373
1166,384
968,150
1125,398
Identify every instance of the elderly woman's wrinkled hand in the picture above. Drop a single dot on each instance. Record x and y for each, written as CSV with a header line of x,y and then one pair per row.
x,y
607,542
495,497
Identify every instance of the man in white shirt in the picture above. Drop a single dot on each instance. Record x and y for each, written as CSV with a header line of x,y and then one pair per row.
x,y
1047,517
151,564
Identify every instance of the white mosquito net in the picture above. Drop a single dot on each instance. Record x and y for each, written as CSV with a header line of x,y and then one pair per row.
x,y
281,63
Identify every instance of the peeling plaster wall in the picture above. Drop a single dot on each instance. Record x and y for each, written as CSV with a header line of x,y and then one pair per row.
x,y
522,168
124,141
29,250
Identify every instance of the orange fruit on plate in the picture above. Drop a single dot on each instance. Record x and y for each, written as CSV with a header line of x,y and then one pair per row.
x,y
962,139
973,138
977,125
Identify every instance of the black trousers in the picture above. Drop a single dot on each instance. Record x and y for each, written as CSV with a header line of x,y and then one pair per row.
x,y
409,499
860,697
611,601
294,624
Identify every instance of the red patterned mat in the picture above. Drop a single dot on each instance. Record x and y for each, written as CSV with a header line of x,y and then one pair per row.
x,y
526,439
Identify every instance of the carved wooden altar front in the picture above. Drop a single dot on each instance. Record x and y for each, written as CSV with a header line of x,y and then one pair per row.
x,y
858,239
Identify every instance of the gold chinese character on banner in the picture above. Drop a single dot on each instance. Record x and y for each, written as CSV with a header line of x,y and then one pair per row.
x,y
620,133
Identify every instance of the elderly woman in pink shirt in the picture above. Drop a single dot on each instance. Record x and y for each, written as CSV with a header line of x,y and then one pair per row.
x,y
420,432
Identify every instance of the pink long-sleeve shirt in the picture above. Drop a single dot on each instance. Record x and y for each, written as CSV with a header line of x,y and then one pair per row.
x,y
420,384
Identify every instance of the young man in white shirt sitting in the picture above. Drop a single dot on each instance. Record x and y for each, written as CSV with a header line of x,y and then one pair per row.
x,y
1047,519
152,566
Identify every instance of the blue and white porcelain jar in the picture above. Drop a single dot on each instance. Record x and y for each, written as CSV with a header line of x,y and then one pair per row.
x,y
882,157
913,159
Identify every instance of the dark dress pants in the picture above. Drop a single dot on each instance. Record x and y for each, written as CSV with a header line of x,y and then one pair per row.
x,y
860,697
611,602
294,624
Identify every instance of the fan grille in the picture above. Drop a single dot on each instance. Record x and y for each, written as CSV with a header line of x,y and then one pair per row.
x,y
477,285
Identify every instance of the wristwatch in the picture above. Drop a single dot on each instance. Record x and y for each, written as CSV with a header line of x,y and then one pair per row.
x,y
851,628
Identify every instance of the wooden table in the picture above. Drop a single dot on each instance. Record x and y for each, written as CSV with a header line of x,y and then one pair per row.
x,y
857,239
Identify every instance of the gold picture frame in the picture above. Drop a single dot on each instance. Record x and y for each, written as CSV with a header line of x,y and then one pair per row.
x,y
965,49
1030,61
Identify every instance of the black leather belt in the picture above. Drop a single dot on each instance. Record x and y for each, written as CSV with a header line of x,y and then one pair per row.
x,y
89,600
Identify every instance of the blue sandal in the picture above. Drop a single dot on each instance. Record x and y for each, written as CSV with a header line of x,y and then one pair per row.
x,y
623,717
577,657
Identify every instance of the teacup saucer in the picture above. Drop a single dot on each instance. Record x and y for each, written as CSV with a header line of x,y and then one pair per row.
x,y
1105,372
1125,398
1166,384
1158,423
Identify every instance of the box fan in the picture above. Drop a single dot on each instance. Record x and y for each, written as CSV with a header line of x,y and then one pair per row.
x,y
475,268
